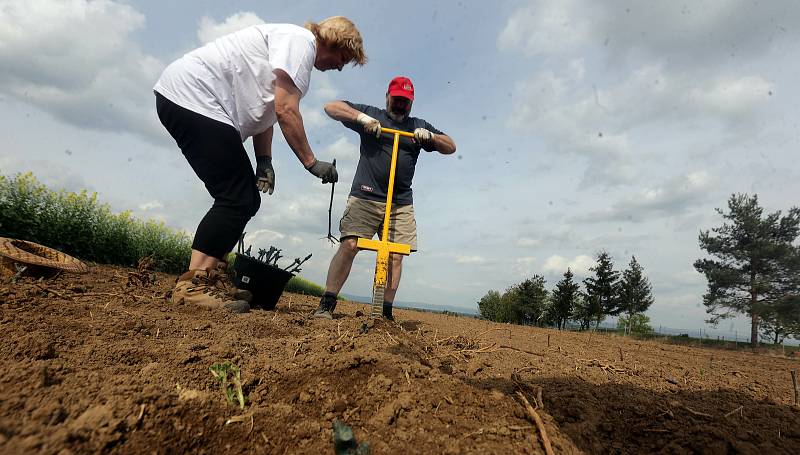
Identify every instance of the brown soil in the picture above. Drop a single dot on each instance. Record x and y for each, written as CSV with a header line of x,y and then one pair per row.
x,y
90,363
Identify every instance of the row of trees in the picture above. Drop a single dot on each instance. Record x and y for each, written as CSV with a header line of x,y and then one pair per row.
x,y
605,293
754,268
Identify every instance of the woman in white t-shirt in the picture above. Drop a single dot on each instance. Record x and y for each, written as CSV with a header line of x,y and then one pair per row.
x,y
215,97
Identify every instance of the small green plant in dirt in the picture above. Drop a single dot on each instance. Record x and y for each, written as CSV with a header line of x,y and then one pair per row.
x,y
229,377
344,441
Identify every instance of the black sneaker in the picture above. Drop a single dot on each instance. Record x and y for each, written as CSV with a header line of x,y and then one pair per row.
x,y
326,306
387,311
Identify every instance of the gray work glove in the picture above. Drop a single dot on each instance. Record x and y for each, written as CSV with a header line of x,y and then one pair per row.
x,y
324,170
371,125
423,137
265,175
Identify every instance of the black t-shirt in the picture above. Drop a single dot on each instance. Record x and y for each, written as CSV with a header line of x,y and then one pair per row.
x,y
372,175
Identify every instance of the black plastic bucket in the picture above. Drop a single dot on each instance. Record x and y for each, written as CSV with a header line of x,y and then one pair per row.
x,y
266,282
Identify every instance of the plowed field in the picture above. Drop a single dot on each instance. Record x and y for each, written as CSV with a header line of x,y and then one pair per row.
x,y
93,363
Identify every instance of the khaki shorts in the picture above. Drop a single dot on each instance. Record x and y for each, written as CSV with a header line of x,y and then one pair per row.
x,y
364,218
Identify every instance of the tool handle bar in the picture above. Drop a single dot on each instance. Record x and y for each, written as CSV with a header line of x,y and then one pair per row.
x,y
402,133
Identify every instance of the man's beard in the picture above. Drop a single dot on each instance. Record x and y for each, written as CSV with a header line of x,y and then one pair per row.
x,y
397,117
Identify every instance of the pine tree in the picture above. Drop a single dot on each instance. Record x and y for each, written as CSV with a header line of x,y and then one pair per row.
x,y
565,297
636,293
782,318
781,321
745,274
602,290
530,300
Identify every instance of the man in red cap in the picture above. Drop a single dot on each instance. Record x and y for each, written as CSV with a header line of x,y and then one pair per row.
x,y
366,205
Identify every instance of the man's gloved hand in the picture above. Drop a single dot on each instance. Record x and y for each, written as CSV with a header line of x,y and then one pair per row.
x,y
325,171
265,175
423,136
371,126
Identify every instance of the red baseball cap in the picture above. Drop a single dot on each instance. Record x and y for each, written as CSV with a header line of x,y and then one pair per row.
x,y
401,86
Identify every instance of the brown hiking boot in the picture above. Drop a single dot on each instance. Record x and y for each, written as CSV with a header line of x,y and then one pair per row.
x,y
224,281
199,287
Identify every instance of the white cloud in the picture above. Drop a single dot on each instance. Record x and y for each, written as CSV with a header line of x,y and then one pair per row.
x,y
322,91
343,148
323,88
313,118
684,33
549,27
537,97
672,197
264,238
209,30
81,65
577,69
55,176
470,260
607,126
579,265
301,210
546,106
614,69
733,97
523,266
526,241
151,205
680,98
688,277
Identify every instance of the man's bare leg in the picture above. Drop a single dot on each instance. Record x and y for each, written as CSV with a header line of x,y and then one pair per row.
x,y
338,271
340,266
393,280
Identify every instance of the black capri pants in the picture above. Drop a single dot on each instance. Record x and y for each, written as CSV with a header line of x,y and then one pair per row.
x,y
217,155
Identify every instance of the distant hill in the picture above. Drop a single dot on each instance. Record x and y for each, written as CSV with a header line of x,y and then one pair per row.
x,y
416,305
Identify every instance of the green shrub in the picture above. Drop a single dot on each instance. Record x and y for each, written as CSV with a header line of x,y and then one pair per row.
x,y
638,324
300,285
78,225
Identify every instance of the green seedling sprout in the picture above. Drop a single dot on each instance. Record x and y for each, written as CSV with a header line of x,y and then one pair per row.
x,y
232,388
344,441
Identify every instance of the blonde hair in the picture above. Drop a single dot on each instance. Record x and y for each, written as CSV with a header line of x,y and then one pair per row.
x,y
340,32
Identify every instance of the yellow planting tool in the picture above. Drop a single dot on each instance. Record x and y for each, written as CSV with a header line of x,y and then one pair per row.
x,y
383,246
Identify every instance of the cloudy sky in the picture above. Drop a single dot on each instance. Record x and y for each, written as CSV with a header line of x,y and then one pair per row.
x,y
581,126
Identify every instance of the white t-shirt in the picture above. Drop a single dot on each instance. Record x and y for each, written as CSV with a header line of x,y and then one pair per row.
x,y
231,78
